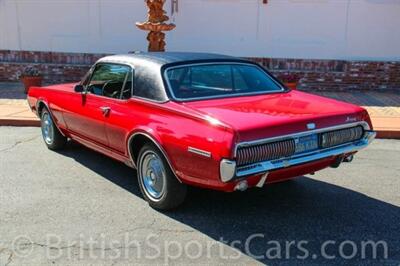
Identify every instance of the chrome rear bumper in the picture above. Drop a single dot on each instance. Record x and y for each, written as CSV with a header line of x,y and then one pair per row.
x,y
229,171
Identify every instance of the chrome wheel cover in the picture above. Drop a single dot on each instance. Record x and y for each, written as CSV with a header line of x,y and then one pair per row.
x,y
152,175
47,128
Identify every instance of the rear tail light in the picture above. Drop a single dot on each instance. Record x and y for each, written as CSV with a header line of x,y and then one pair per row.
x,y
265,152
341,136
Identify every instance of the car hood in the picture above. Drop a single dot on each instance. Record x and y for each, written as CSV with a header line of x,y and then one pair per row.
x,y
279,113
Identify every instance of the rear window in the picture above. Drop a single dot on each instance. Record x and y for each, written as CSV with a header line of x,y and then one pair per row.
x,y
219,80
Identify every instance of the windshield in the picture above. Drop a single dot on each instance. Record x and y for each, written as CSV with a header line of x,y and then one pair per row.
x,y
219,80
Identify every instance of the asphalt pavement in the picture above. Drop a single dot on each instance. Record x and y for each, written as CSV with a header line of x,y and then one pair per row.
x,y
78,207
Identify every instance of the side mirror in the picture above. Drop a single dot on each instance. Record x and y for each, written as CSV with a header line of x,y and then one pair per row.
x,y
79,88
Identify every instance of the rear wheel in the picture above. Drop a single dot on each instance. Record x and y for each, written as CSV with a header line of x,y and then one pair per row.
x,y
51,135
158,184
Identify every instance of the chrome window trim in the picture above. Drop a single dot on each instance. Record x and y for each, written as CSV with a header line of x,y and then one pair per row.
x,y
218,96
300,134
148,100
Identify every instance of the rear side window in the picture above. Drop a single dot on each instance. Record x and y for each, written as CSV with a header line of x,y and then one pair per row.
x,y
111,80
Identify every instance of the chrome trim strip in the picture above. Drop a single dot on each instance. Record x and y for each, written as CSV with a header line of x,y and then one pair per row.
x,y
199,152
164,74
157,145
300,134
300,159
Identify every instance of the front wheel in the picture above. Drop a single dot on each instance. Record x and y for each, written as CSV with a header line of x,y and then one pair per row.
x,y
158,184
51,135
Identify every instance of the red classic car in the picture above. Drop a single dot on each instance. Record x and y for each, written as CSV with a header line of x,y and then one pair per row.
x,y
199,119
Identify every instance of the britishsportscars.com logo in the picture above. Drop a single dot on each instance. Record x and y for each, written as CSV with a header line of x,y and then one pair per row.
x,y
151,248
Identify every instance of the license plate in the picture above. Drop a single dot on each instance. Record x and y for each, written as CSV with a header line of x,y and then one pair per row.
x,y
307,143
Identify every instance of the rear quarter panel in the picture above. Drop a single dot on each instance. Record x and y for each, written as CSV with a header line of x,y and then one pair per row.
x,y
176,131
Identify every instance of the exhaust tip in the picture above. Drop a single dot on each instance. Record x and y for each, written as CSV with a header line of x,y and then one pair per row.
x,y
348,159
242,186
337,162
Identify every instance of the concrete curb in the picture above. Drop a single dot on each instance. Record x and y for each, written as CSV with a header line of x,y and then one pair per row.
x,y
19,122
387,134
381,133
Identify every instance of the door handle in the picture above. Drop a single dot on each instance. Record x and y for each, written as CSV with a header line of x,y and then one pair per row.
x,y
105,110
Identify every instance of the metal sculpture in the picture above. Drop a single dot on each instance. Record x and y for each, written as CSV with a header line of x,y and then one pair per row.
x,y
156,25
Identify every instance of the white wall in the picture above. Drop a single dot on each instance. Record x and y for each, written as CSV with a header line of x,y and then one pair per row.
x,y
322,29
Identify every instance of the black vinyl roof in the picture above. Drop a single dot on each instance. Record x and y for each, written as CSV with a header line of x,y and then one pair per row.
x,y
148,82
163,58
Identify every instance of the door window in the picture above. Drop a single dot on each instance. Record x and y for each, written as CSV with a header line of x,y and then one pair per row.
x,y
111,80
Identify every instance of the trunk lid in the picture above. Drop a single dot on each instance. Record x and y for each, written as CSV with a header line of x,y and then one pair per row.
x,y
264,116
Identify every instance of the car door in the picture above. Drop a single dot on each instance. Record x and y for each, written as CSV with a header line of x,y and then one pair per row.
x,y
88,110
121,117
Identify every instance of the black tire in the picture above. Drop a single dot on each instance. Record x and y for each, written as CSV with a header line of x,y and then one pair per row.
x,y
52,137
173,192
